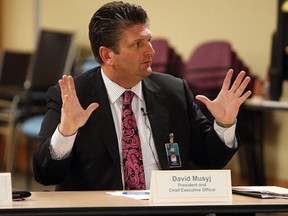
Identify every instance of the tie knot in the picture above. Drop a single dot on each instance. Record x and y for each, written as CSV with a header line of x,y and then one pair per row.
x,y
127,97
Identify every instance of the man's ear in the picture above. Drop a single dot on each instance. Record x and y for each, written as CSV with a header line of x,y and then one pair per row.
x,y
105,54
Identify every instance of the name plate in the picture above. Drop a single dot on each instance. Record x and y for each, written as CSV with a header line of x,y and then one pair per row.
x,y
191,186
5,189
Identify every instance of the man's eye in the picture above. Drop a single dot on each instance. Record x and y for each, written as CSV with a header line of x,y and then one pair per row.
x,y
138,44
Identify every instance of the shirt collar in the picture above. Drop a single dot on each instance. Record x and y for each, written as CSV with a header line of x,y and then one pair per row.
x,y
115,91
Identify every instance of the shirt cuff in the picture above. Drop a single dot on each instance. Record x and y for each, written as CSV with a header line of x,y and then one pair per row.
x,y
227,135
61,146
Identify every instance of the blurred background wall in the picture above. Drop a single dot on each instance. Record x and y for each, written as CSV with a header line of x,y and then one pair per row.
x,y
247,25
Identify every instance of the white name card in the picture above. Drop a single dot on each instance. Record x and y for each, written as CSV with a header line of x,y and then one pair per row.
x,y
5,189
191,186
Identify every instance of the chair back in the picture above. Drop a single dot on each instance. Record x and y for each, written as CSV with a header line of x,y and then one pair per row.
x,y
53,57
210,55
160,60
207,67
13,69
166,59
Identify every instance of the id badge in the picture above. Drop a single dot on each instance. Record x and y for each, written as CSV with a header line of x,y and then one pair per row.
x,y
173,153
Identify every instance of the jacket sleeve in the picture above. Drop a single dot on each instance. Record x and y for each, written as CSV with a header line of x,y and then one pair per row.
x,y
46,170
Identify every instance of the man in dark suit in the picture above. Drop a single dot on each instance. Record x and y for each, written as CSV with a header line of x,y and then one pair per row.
x,y
81,139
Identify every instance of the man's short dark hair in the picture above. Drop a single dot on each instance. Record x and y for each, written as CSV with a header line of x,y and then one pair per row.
x,y
109,22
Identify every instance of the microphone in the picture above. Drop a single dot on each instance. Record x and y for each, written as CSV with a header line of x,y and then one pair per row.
x,y
145,113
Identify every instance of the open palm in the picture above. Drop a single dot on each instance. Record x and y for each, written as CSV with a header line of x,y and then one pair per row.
x,y
226,105
73,116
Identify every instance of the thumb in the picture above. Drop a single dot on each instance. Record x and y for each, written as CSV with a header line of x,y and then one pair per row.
x,y
203,99
91,108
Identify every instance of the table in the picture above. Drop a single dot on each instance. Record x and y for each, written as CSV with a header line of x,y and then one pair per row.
x,y
264,105
100,203
251,126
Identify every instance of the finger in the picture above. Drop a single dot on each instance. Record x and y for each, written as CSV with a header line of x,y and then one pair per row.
x,y
243,86
91,108
71,86
203,99
244,97
238,81
65,102
63,86
227,80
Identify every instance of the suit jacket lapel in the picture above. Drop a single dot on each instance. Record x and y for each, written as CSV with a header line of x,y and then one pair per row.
x,y
103,118
158,117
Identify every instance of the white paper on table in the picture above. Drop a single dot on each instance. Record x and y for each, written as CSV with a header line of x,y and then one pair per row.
x,y
140,195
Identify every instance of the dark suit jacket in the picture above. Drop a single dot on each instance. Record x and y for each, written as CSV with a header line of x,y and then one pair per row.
x,y
95,162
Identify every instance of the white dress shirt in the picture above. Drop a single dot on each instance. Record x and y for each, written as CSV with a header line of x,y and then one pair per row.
x,y
61,146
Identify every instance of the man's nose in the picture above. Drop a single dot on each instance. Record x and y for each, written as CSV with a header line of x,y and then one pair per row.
x,y
151,50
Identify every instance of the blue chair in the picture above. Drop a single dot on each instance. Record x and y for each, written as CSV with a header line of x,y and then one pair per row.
x,y
88,64
31,126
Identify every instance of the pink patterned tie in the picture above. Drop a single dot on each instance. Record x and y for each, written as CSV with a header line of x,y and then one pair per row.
x,y
134,176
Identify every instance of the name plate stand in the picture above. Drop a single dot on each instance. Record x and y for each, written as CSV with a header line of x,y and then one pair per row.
x,y
5,189
191,186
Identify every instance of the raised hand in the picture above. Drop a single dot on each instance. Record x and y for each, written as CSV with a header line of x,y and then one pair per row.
x,y
73,116
226,105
